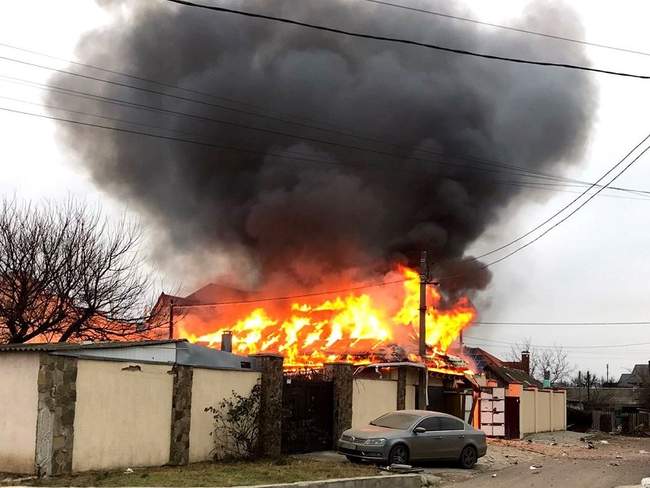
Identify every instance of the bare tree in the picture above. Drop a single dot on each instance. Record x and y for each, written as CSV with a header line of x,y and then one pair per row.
x,y
554,360
67,274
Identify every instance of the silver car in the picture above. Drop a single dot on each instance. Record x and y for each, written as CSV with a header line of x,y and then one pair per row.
x,y
404,436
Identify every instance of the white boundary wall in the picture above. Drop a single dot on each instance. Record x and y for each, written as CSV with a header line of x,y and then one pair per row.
x,y
123,415
373,398
209,387
542,411
18,411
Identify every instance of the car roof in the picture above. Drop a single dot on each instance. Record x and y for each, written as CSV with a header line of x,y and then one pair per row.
x,y
426,413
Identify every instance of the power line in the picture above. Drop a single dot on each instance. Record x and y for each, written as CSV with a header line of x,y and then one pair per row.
x,y
564,324
344,132
556,214
410,42
290,297
524,246
502,167
515,169
127,103
556,187
508,27
288,155
592,346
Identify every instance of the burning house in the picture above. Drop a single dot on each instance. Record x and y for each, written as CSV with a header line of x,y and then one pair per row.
x,y
316,164
375,329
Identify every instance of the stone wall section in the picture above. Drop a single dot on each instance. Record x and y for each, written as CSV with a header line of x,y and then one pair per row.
x,y
340,374
270,434
57,397
401,388
179,447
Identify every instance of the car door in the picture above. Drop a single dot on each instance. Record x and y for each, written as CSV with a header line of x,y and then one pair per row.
x,y
452,437
427,445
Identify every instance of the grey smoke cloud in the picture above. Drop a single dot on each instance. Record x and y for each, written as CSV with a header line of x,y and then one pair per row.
x,y
303,220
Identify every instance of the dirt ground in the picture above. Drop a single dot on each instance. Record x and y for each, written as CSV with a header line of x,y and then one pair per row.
x,y
561,459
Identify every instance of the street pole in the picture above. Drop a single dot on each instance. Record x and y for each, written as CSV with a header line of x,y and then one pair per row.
x,y
607,379
423,304
171,319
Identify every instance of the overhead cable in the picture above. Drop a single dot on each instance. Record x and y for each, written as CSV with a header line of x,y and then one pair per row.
x,y
436,47
508,27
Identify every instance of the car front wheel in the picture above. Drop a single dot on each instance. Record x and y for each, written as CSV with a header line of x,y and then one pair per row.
x,y
468,457
399,454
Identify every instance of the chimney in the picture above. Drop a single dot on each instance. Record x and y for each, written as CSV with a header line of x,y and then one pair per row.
x,y
226,341
525,361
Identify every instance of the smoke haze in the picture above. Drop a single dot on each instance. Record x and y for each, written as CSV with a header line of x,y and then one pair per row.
x,y
250,217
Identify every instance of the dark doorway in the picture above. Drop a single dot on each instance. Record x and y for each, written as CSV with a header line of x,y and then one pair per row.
x,y
512,418
306,416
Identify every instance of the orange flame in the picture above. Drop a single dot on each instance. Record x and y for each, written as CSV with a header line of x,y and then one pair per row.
x,y
347,328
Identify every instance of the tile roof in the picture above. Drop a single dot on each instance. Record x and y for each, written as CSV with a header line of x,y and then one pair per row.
x,y
484,359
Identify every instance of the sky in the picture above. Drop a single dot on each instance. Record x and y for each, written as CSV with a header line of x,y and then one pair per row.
x,y
592,268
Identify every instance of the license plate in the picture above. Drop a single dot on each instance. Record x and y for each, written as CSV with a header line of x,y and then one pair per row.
x,y
346,445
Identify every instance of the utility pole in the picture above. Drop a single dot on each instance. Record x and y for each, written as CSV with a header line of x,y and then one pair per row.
x,y
423,304
607,377
171,319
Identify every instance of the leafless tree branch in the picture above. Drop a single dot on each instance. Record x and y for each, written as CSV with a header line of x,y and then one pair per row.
x,y
66,274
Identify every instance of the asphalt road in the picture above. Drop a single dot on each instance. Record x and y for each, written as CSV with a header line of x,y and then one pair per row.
x,y
561,473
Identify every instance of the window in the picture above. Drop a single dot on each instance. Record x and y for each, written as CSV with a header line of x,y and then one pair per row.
x,y
430,424
447,423
400,421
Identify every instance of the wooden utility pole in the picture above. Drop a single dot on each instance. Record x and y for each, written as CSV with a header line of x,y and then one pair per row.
x,y
423,304
171,319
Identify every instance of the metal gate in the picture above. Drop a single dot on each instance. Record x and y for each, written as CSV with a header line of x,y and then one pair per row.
x,y
512,417
493,412
307,416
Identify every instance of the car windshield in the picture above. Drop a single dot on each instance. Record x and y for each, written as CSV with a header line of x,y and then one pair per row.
x,y
395,420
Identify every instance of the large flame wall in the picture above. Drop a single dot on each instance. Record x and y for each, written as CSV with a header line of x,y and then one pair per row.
x,y
354,327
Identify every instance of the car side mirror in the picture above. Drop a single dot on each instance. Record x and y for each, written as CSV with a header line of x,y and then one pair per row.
x,y
419,430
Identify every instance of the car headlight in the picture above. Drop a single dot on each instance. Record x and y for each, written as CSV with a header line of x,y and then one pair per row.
x,y
374,442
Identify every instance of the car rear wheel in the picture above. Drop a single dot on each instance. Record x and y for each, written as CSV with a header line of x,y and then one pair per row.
x,y
399,454
468,457
354,460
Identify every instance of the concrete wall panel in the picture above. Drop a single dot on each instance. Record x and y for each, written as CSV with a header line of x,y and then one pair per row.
x,y
18,411
543,410
527,412
372,398
123,415
559,410
209,387
410,397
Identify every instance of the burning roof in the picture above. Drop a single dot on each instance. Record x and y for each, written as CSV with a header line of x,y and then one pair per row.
x,y
379,325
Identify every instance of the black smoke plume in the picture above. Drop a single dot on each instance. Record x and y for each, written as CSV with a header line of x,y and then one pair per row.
x,y
256,215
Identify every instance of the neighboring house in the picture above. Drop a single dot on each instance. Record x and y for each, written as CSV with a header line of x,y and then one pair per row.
x,y
621,406
640,376
505,373
513,403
